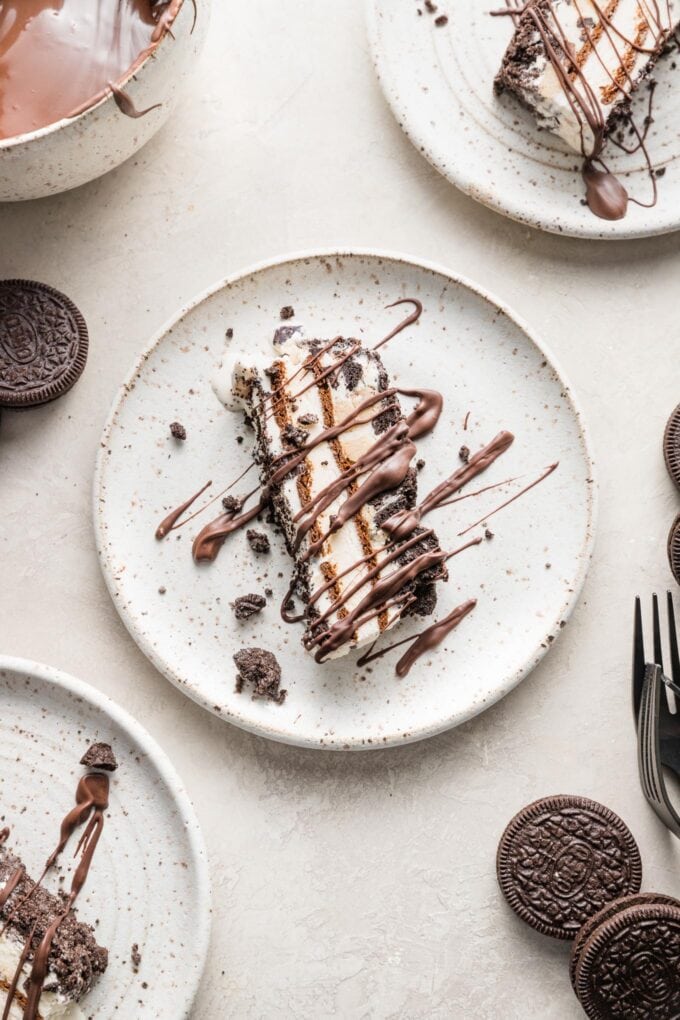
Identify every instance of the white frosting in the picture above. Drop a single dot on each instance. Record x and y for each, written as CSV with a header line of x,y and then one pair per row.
x,y
599,64
51,1003
344,547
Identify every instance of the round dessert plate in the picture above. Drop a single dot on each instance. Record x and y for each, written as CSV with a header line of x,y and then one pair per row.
x,y
438,81
484,362
149,882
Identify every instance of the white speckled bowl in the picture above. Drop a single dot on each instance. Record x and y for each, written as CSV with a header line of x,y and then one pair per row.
x,y
149,879
75,150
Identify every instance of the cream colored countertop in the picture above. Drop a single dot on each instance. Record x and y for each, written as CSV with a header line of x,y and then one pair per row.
x,y
363,885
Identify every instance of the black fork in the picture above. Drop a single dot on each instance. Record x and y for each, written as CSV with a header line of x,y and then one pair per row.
x,y
658,727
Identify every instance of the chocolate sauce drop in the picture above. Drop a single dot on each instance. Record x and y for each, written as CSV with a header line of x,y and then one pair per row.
x,y
605,195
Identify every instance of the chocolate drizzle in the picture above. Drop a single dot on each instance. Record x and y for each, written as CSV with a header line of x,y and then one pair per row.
x,y
92,800
426,641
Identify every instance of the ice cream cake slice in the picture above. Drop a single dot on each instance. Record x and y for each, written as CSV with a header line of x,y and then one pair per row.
x,y
335,455
75,959
575,63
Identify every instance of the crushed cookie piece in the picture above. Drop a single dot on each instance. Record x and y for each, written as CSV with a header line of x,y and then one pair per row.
x,y
258,541
260,668
100,756
248,605
177,431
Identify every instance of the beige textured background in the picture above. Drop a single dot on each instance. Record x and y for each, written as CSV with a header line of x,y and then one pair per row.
x,y
359,886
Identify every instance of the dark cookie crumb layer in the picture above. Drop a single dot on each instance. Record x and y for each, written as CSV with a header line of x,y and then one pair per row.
x,y
260,669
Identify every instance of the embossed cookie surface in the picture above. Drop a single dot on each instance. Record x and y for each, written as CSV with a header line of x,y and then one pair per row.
x,y
630,967
562,859
613,908
671,445
43,343
674,548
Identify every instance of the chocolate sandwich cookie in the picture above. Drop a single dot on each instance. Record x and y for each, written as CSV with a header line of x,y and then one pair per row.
x,y
613,908
674,548
43,343
629,969
562,859
671,445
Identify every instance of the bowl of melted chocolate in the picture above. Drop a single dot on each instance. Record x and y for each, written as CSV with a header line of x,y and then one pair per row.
x,y
85,83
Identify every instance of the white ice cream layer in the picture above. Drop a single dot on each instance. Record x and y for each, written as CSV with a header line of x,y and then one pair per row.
x,y
51,1003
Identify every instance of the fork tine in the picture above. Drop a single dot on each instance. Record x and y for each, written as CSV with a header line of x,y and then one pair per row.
x,y
638,657
658,653
673,640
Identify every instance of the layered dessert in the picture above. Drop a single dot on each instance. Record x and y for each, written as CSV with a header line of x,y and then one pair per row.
x,y
58,57
49,959
335,452
575,63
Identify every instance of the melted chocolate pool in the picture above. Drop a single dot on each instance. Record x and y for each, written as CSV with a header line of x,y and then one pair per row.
x,y
58,56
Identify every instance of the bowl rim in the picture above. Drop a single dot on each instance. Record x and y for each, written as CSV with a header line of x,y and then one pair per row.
x,y
97,100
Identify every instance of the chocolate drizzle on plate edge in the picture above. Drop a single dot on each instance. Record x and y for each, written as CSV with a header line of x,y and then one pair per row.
x,y
605,195
92,800
385,465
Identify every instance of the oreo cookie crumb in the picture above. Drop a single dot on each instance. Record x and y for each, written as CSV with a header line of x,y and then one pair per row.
x,y
177,431
135,957
258,541
248,605
287,312
239,440
229,333
488,533
268,592
162,590
258,667
100,756
293,436
464,454
441,21
232,504
308,419
420,464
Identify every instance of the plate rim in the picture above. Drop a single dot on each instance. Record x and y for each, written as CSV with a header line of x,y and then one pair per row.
x,y
613,231
102,702
265,728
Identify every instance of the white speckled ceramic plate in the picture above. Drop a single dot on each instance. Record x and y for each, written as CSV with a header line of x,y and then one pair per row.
x,y
439,84
484,361
149,879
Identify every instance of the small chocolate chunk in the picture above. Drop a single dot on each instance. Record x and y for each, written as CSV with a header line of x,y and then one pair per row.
x,y
259,668
441,21
232,504
177,431
308,419
100,756
43,343
287,312
248,605
258,541
292,436
562,859
464,454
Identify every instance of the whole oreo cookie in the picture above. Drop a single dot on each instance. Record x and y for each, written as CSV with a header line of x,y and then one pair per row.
x,y
43,343
671,445
674,548
629,969
613,908
562,859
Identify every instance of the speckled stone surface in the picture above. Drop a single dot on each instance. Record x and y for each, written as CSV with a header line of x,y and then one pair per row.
x,y
347,885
